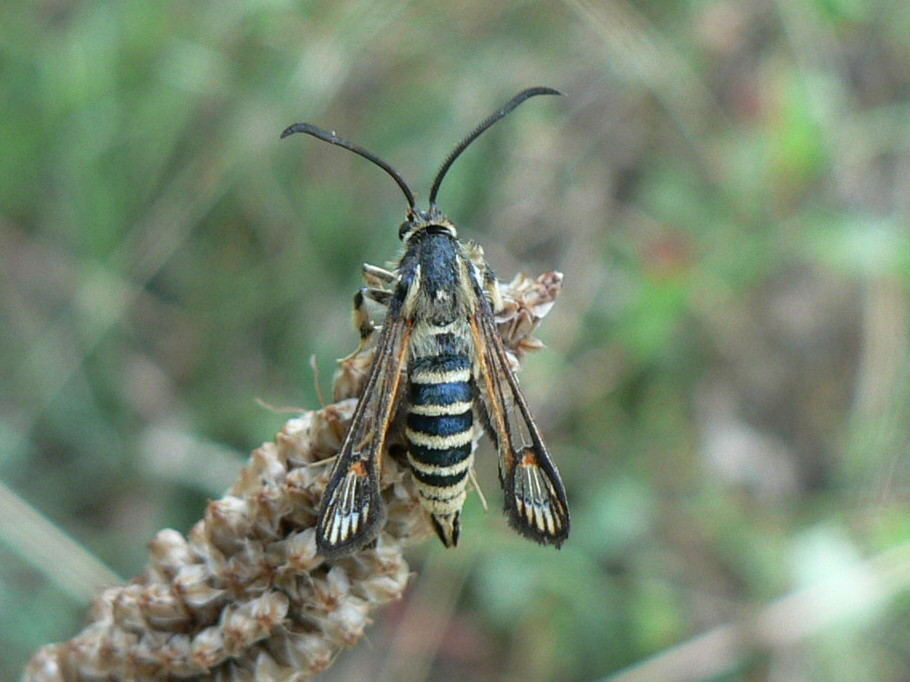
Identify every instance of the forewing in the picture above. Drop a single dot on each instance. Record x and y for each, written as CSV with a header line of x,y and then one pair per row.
x,y
535,498
352,512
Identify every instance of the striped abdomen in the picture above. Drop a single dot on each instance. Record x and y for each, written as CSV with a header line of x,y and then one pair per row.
x,y
440,423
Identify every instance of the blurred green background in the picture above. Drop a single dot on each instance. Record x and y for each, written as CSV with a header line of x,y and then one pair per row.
x,y
726,188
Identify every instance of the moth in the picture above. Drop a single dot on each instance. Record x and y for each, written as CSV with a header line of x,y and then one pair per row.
x,y
440,351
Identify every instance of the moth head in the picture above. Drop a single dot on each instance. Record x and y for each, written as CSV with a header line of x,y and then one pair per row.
x,y
419,223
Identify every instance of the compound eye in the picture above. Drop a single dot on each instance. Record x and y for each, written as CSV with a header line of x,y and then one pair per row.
x,y
405,228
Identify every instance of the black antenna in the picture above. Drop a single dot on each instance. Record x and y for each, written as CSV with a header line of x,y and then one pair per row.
x,y
486,123
332,138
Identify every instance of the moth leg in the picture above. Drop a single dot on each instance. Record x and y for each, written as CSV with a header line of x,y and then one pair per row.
x,y
353,369
472,476
363,320
377,291
380,296
376,276
322,462
370,302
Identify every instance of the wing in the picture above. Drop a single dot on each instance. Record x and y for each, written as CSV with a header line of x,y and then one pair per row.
x,y
352,512
535,498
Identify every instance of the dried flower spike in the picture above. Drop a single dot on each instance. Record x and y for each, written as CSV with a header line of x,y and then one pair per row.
x,y
246,596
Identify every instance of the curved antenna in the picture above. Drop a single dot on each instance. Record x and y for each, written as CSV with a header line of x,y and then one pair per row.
x,y
486,123
332,138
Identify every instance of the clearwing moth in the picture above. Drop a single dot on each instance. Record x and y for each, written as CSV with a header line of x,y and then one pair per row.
x,y
439,350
